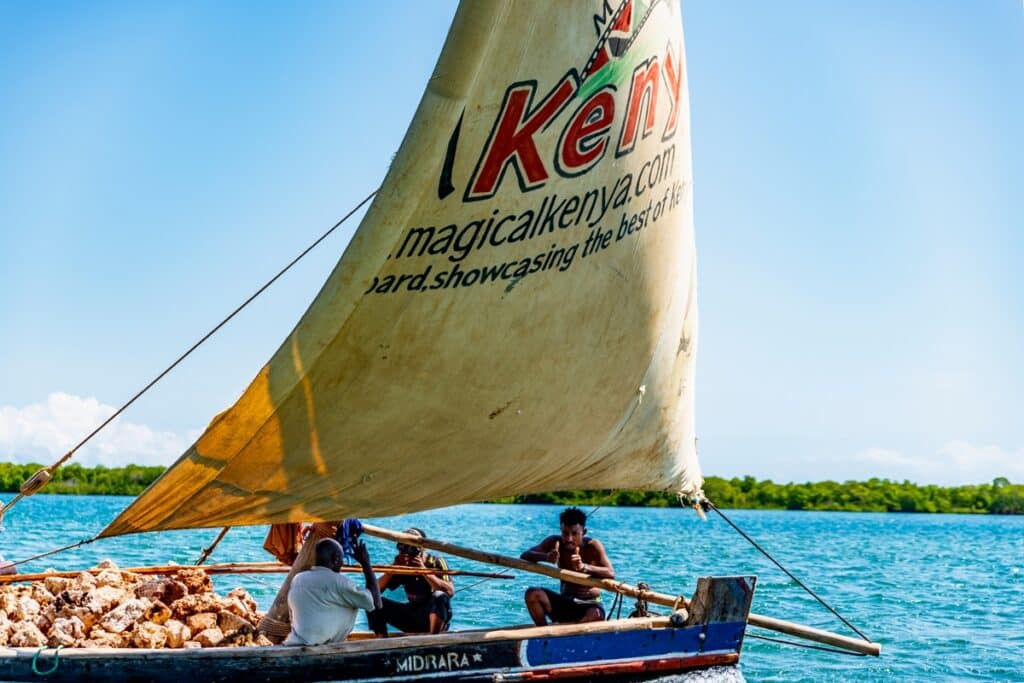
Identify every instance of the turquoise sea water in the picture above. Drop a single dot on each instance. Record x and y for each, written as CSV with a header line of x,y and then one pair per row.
x,y
944,594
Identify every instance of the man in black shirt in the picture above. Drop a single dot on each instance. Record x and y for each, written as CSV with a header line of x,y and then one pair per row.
x,y
428,607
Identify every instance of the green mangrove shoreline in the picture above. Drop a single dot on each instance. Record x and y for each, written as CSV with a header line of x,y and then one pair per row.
x,y
874,495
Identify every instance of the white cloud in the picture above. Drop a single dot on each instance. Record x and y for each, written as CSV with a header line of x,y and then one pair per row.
x,y
957,462
43,432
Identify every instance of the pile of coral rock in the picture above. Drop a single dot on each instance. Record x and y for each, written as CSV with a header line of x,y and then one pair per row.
x,y
114,608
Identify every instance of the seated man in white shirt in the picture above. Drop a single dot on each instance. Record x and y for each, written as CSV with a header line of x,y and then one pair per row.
x,y
324,603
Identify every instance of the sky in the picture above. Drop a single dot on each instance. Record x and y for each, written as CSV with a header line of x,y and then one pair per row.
x,y
858,209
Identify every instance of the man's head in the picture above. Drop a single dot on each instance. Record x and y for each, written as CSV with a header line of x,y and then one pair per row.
x,y
574,526
329,554
411,550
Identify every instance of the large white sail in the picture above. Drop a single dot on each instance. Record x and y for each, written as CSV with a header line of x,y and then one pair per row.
x,y
516,313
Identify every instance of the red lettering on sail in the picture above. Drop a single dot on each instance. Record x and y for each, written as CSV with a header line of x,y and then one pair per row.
x,y
673,73
643,99
585,139
512,138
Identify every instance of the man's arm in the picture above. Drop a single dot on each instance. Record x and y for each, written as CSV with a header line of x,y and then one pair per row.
x,y
363,558
545,551
436,582
600,567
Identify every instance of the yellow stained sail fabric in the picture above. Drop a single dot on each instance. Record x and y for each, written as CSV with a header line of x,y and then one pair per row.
x,y
516,313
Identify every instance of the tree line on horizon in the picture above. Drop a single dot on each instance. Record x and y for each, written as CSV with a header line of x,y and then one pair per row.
x,y
1000,497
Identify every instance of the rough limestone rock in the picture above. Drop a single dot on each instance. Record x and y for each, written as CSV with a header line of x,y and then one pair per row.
x,y
57,585
177,633
235,606
194,604
112,608
202,621
110,577
158,612
67,632
71,597
243,597
124,616
87,617
40,594
101,600
106,564
46,618
211,637
26,634
229,622
25,609
8,602
164,589
195,580
100,638
148,634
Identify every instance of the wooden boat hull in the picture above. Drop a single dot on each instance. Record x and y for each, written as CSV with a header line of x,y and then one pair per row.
x,y
625,649
620,649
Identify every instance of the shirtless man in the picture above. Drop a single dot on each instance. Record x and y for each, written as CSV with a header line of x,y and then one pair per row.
x,y
574,550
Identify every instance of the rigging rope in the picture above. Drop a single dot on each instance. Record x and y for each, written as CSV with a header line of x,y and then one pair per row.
x,y
206,551
709,504
85,541
40,478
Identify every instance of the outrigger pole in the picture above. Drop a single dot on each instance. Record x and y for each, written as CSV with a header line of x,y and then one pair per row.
x,y
675,601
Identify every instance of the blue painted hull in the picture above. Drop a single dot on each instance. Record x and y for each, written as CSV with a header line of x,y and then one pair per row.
x,y
622,650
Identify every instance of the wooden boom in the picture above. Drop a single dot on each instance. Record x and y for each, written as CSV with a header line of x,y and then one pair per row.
x,y
241,568
673,601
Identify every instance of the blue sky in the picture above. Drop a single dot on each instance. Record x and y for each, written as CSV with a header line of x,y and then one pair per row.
x,y
858,206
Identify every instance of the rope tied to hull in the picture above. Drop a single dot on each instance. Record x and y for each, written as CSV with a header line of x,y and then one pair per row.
x,y
52,669
641,608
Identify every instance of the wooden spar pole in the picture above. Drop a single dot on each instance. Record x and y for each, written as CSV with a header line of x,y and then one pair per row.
x,y
789,628
207,551
240,568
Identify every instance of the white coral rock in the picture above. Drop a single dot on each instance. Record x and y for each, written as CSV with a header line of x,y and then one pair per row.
x,y
67,631
124,616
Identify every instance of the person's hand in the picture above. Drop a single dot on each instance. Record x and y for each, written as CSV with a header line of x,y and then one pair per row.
x,y
575,561
401,560
418,561
553,555
362,555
